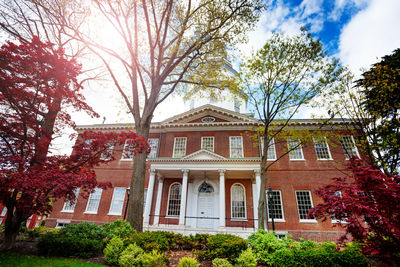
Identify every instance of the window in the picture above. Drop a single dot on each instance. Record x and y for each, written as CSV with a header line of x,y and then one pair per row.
x,y
238,198
295,151
271,153
94,201
236,146
129,149
106,155
3,213
174,200
304,204
144,201
61,225
117,202
275,209
207,143
179,147
153,142
349,146
337,194
69,206
322,148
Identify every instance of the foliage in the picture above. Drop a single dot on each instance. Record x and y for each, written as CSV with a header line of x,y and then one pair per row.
x,y
153,259
39,85
18,260
155,240
35,232
246,259
277,80
265,244
222,246
113,250
369,207
118,228
218,262
130,256
82,230
188,262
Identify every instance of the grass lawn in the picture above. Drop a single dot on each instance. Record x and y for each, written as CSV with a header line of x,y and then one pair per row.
x,y
12,259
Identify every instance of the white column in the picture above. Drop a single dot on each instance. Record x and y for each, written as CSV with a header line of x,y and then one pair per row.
x,y
256,192
158,203
182,211
221,198
149,197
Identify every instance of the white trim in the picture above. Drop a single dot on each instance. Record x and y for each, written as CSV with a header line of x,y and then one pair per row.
x,y
354,144
283,214
87,204
298,210
123,158
169,193
245,204
156,148
291,139
112,201
173,152
213,143
327,147
230,146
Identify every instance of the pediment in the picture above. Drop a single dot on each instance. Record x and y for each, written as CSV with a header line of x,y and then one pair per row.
x,y
203,154
217,114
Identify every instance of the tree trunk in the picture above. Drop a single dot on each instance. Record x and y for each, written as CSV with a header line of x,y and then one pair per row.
x,y
135,205
261,200
12,226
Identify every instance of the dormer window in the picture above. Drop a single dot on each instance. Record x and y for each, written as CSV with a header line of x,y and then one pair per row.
x,y
208,119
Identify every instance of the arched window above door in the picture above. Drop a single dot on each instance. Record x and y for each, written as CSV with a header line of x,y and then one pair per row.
x,y
206,188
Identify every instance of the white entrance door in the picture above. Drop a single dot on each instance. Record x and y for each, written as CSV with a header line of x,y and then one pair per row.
x,y
205,210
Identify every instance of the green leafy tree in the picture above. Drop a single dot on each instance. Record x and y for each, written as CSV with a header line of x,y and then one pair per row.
x,y
286,74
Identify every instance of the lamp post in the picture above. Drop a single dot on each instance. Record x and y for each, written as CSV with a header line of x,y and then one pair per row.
x,y
269,194
128,191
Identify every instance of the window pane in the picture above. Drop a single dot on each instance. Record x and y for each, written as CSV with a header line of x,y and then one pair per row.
x,y
238,202
129,148
274,205
321,148
3,213
153,142
304,204
106,155
207,143
174,200
295,148
271,153
70,205
179,147
117,202
94,201
236,147
349,146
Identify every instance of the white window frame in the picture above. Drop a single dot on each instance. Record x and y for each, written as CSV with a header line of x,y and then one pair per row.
x,y
203,142
280,198
174,154
231,143
298,207
109,149
180,201
68,203
145,198
271,146
298,149
153,142
114,202
90,199
324,139
4,211
354,149
126,146
245,204
333,219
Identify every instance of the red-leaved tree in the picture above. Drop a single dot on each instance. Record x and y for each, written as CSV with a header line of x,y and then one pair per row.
x,y
368,207
37,84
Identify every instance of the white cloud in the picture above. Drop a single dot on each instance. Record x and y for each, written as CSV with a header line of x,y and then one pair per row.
x,y
371,34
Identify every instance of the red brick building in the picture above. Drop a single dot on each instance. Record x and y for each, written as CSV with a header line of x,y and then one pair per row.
x,y
204,176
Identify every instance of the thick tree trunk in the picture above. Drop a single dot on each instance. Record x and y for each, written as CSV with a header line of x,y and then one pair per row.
x,y
135,205
12,227
261,200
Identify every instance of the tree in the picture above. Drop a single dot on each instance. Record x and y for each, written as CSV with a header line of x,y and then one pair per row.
x,y
367,207
38,84
277,80
164,46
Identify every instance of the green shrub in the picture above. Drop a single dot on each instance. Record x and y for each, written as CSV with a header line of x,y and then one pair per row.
x,y
188,262
119,228
153,259
149,241
222,246
218,262
283,257
35,232
328,246
83,230
315,257
307,244
131,256
266,243
113,250
246,259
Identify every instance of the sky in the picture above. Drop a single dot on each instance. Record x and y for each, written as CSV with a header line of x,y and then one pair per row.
x,y
358,32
